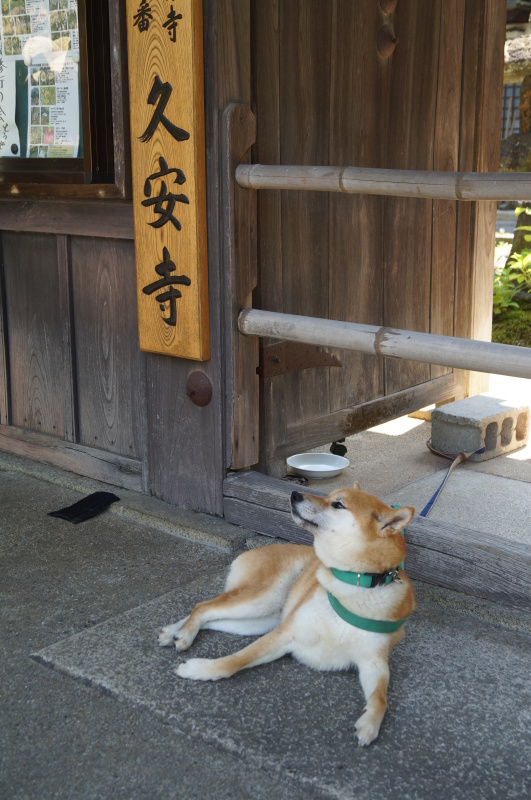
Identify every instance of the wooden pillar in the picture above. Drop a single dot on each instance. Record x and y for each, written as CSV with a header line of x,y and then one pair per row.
x,y
186,442
482,86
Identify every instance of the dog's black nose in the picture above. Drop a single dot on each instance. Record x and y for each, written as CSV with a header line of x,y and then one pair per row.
x,y
296,497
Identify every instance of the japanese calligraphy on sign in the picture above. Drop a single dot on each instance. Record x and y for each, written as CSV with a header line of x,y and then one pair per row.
x,y
168,153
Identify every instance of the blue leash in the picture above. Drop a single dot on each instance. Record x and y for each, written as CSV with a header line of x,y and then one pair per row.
x,y
457,460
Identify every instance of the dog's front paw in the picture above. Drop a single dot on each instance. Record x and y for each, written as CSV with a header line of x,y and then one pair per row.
x,y
197,669
168,633
367,729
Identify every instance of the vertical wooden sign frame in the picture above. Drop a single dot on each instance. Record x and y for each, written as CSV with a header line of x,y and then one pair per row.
x,y
165,59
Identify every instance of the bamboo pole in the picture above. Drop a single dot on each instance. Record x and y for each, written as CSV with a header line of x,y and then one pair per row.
x,y
446,351
392,182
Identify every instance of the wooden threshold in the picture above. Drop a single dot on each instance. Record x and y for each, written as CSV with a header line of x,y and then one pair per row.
x,y
468,561
88,461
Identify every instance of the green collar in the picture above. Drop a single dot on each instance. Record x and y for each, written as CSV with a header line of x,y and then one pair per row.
x,y
366,579
372,625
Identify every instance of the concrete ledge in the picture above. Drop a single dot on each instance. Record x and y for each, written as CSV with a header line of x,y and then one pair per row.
x,y
139,508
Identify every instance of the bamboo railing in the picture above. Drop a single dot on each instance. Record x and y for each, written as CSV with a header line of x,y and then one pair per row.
x,y
394,182
446,351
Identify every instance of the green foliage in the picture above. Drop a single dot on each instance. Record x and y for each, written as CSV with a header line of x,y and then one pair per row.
x,y
513,327
504,290
514,277
520,265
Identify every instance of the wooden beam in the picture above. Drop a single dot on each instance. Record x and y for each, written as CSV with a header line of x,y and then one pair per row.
x,y
348,421
464,560
98,464
448,351
97,218
389,182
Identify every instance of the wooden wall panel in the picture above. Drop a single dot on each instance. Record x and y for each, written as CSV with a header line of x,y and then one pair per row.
x,y
408,223
358,86
111,373
39,352
265,18
446,158
305,39
482,86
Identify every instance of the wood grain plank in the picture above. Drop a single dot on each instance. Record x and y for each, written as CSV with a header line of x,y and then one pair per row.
x,y
98,219
111,370
168,175
38,357
120,99
358,89
445,158
482,86
67,322
106,467
348,421
305,41
240,278
269,294
408,223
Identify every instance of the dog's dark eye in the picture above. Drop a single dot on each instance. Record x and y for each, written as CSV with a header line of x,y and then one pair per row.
x,y
338,504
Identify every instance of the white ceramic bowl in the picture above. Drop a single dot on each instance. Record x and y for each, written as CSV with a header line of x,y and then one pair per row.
x,y
317,465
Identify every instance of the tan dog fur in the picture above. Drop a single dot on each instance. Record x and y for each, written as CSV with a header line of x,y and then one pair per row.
x,y
280,592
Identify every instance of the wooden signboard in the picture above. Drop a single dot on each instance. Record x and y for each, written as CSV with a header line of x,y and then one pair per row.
x,y
165,60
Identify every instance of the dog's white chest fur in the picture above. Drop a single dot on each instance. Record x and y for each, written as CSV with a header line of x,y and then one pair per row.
x,y
324,641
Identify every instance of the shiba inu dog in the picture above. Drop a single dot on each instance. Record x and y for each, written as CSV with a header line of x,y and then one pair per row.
x,y
338,604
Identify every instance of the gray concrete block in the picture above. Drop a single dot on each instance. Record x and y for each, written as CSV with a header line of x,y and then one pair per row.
x,y
480,421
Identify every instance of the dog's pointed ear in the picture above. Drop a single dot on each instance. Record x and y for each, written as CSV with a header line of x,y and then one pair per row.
x,y
356,485
393,520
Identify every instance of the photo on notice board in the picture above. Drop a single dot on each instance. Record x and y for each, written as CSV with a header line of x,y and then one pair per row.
x,y
39,79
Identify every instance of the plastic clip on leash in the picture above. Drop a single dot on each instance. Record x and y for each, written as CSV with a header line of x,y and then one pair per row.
x,y
458,458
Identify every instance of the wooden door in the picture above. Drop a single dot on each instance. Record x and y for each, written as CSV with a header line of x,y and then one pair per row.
x,y
324,95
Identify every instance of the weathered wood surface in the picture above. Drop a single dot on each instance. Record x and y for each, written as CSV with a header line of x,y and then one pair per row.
x,y
111,370
98,218
305,64
120,99
64,274
169,231
446,157
107,467
239,264
426,348
361,258
456,558
39,354
348,421
410,144
479,149
269,292
355,246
